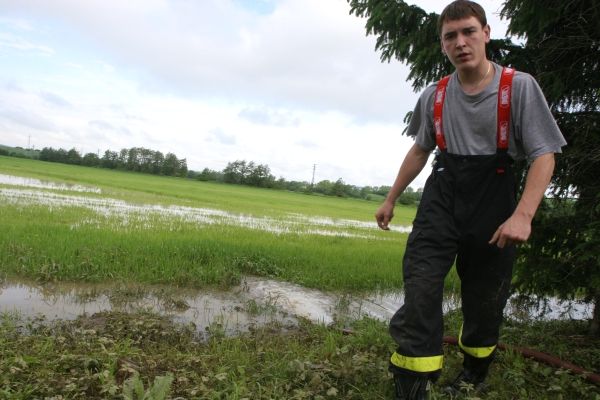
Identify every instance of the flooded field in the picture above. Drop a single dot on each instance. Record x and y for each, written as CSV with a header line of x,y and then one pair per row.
x,y
114,213
254,301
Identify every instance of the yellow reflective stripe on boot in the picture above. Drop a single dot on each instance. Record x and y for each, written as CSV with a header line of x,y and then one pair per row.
x,y
418,364
477,352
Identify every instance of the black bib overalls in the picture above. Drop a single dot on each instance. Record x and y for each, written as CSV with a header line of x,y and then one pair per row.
x,y
465,200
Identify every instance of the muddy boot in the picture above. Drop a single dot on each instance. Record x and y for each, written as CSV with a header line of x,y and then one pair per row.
x,y
472,378
410,387
466,383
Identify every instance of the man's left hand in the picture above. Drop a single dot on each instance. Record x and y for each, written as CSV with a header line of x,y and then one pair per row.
x,y
514,230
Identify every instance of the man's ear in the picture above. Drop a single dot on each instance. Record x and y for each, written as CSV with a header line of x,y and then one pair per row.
x,y
487,30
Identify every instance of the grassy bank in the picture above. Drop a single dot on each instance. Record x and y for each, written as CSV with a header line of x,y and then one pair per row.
x,y
98,357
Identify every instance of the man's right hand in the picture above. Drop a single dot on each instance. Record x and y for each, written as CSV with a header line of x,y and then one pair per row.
x,y
384,215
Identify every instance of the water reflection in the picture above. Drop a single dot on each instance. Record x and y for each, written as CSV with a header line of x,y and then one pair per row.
x,y
255,302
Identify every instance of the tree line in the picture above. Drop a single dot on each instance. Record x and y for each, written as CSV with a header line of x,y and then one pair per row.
x,y
137,159
242,172
239,172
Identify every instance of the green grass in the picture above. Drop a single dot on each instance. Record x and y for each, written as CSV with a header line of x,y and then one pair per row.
x,y
78,243
97,357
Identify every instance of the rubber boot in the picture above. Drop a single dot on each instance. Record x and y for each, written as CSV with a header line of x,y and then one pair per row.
x,y
410,387
472,377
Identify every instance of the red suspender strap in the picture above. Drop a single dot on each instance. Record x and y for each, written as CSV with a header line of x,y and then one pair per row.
x,y
504,95
438,106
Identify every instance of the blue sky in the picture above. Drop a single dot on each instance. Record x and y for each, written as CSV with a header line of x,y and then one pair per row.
x,y
288,83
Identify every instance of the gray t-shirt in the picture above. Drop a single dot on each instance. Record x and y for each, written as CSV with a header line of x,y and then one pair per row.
x,y
469,121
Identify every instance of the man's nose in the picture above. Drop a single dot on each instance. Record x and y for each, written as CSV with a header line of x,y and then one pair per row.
x,y
460,40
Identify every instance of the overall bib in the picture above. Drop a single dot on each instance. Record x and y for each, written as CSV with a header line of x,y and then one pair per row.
x,y
466,198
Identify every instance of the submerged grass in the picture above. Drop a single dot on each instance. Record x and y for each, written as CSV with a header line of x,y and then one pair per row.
x,y
100,356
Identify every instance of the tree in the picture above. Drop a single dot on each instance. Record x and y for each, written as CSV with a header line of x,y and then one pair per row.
x,y
110,159
122,159
560,46
170,165
207,174
73,157
234,172
157,162
182,168
260,176
90,160
338,188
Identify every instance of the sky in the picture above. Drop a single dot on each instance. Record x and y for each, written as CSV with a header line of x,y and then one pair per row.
x,y
294,84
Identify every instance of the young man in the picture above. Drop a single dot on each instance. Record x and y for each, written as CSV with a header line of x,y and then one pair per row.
x,y
481,119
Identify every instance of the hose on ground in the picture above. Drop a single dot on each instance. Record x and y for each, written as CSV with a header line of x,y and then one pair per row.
x,y
541,357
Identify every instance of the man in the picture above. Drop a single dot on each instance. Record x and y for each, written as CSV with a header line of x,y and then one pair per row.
x,y
481,118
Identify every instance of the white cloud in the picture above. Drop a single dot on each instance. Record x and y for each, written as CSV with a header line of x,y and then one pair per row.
x,y
288,83
18,43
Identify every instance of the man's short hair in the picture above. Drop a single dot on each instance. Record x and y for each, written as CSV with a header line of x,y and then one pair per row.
x,y
461,9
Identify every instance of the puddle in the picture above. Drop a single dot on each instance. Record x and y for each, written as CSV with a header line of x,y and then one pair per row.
x,y
233,311
119,214
524,308
254,303
36,183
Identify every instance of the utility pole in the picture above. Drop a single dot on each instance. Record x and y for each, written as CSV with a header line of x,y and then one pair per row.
x,y
312,182
29,143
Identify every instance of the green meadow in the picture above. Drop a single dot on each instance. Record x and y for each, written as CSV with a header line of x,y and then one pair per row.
x,y
150,229
70,223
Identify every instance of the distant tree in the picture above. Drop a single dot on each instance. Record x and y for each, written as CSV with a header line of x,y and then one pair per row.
x,y
260,176
133,162
324,187
61,155
338,188
122,159
73,157
110,159
158,160
234,172
170,165
145,157
410,196
46,154
182,168
294,186
90,160
207,175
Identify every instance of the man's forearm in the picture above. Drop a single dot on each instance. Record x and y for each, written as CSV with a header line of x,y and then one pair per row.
x,y
538,178
413,164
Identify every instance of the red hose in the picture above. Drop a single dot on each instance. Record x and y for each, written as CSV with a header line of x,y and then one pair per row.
x,y
542,357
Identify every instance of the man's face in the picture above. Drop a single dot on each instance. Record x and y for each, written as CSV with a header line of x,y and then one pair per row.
x,y
463,41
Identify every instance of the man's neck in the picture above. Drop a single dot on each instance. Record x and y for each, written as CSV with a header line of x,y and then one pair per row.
x,y
473,80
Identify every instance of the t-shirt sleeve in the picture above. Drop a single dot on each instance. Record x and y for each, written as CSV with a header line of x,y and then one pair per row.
x,y
421,122
535,127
